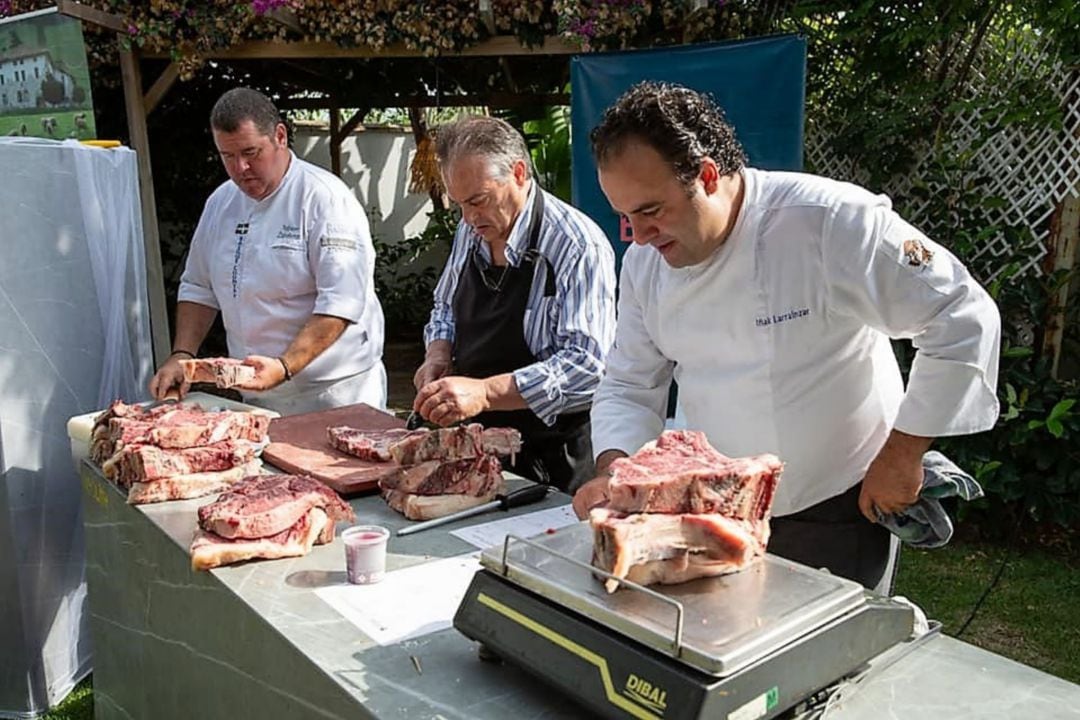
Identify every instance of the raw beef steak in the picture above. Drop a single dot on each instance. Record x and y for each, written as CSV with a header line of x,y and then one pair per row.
x,y
682,473
652,548
209,550
270,504
222,372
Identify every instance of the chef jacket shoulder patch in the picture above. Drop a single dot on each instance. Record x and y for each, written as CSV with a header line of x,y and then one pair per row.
x,y
916,254
337,242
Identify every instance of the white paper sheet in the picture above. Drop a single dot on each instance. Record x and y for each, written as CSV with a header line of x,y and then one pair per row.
x,y
494,533
403,606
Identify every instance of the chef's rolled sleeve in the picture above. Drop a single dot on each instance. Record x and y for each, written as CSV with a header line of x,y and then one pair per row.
x,y
907,286
631,402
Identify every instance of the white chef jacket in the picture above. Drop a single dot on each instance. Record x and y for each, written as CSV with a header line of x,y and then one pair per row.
x,y
268,265
780,340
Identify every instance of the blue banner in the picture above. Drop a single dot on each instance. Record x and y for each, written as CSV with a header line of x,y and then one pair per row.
x,y
760,84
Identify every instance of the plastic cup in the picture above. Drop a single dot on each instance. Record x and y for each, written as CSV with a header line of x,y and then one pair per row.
x,y
365,553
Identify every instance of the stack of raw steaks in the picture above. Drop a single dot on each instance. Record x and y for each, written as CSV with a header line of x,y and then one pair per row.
x,y
432,473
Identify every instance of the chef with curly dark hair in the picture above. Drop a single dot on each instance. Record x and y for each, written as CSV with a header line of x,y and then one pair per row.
x,y
771,298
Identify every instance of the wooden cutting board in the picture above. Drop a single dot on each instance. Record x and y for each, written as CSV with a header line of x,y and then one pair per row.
x,y
298,445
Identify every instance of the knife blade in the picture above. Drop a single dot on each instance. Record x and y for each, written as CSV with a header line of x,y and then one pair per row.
x,y
517,498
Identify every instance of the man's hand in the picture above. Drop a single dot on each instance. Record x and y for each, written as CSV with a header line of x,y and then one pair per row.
x,y
437,364
269,373
169,380
591,494
895,477
595,492
451,400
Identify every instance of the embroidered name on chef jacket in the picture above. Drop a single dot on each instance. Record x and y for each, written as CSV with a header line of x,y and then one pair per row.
x,y
241,234
776,319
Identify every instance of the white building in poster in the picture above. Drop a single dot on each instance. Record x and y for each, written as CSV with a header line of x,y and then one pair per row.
x,y
21,77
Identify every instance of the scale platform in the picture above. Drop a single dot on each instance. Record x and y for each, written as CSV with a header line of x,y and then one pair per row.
x,y
743,646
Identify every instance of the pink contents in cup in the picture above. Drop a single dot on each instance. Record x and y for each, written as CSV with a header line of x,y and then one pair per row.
x,y
365,553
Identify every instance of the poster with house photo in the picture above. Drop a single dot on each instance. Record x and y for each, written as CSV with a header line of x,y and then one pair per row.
x,y
44,78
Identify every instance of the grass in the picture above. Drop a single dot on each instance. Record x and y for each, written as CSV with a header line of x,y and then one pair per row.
x,y
65,123
1031,616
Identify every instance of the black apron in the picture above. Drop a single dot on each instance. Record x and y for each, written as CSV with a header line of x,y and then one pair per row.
x,y
489,339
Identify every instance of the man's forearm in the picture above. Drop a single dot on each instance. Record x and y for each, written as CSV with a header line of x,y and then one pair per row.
x,y
193,322
319,333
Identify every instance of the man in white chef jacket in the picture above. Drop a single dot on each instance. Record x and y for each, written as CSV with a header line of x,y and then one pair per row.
x,y
770,298
284,253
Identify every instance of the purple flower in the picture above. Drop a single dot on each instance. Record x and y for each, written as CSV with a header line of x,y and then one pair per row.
x,y
5,8
261,7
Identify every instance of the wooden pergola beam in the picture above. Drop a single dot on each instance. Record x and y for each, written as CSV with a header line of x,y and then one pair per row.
x,y
92,15
422,101
161,86
311,50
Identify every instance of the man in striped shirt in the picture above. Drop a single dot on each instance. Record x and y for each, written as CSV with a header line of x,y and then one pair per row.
x,y
524,313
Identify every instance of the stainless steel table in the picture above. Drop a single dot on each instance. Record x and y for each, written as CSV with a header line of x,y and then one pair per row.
x,y
254,641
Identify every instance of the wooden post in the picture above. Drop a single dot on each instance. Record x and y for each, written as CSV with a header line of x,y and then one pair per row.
x,y
1064,240
335,140
140,143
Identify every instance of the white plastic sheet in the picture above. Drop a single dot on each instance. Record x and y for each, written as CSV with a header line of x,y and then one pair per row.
x,y
74,334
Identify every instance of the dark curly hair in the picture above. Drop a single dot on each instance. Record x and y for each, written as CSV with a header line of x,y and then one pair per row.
x,y
683,125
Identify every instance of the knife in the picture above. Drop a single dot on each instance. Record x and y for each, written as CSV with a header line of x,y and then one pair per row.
x,y
413,421
524,496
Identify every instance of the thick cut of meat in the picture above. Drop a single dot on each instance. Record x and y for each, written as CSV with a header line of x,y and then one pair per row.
x,y
461,442
429,507
371,445
222,372
184,428
192,485
267,505
682,473
474,476
103,445
209,550
653,547
145,463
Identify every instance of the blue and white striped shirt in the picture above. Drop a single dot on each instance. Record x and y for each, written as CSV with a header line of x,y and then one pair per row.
x,y
571,332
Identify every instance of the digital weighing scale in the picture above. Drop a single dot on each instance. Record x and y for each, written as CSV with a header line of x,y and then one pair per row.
x,y
738,647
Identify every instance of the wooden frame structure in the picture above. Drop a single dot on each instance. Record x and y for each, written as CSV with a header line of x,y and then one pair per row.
x,y
139,104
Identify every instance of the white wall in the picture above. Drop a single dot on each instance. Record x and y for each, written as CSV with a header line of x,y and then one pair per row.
x,y
375,164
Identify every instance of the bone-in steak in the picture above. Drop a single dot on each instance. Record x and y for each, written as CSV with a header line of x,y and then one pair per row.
x,y
371,445
654,547
191,485
267,505
682,473
222,372
145,463
428,507
461,442
209,550
475,476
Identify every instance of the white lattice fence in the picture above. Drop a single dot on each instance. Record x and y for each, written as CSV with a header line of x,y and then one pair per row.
x,y
1032,169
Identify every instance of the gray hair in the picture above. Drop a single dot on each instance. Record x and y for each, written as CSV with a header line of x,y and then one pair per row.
x,y
240,104
488,137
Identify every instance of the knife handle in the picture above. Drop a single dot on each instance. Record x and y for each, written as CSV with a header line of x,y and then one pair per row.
x,y
524,496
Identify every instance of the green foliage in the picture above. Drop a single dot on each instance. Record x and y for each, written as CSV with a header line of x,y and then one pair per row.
x,y
403,283
1029,463
548,139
